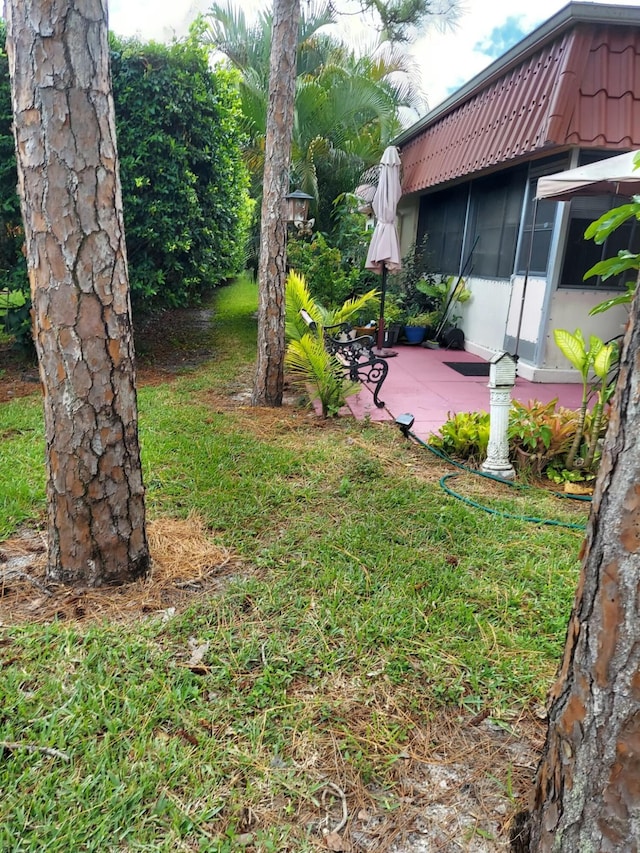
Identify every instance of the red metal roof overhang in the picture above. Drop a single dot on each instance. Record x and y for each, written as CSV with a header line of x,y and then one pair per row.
x,y
579,89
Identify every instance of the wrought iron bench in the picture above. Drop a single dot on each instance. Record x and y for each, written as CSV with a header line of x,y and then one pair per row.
x,y
355,354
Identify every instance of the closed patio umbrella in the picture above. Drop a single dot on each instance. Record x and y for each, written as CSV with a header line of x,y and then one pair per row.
x,y
384,249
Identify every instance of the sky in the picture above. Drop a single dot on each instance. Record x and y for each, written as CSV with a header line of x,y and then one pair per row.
x,y
445,61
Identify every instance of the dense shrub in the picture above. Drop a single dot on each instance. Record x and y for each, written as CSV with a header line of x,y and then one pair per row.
x,y
185,199
13,274
539,436
321,265
184,184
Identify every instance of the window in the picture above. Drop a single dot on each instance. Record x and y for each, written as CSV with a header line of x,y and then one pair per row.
x,y
497,207
580,254
542,229
441,222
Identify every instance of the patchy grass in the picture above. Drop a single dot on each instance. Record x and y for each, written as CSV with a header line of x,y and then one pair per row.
x,y
384,633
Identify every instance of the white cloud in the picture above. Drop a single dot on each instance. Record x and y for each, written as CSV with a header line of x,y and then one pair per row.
x,y
449,61
446,61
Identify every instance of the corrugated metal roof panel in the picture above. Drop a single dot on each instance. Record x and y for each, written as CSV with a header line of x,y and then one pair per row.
x,y
607,108
577,89
497,124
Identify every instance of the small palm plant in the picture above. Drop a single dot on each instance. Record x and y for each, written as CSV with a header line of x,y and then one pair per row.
x,y
599,358
310,365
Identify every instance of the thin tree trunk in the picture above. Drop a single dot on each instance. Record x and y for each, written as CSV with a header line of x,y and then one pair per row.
x,y
269,379
69,187
587,794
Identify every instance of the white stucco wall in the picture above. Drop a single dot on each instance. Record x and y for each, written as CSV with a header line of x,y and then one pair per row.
x,y
569,309
484,316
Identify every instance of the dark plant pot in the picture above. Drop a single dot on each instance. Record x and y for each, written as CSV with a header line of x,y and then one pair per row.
x,y
391,334
415,334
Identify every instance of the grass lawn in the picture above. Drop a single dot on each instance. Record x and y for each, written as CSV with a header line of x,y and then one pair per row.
x,y
380,648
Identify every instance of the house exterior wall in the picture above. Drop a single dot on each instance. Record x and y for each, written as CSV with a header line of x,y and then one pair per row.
x,y
484,316
569,87
569,309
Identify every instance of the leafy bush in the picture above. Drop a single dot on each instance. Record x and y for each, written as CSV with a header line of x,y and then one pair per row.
x,y
321,265
15,318
540,437
184,183
15,305
183,179
540,434
464,436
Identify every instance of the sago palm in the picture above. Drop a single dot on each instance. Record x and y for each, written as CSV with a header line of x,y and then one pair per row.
x,y
310,365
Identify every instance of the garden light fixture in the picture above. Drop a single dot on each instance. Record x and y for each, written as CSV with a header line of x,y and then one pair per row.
x,y
405,422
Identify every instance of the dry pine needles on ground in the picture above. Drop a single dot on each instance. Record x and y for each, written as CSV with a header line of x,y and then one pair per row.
x,y
186,564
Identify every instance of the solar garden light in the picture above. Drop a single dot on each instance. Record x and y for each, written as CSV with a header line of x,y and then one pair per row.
x,y
405,422
502,378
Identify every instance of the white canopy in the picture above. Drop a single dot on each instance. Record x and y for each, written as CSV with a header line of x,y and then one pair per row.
x,y
613,175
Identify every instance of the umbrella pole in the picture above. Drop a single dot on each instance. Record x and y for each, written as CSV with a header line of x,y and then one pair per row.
x,y
382,297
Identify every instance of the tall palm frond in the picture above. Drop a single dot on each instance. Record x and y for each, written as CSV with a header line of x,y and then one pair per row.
x,y
352,307
297,297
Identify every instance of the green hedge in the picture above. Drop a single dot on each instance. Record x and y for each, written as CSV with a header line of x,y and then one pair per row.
x,y
184,183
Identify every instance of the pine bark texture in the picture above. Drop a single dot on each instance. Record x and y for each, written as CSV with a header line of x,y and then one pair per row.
x,y
69,185
587,797
269,379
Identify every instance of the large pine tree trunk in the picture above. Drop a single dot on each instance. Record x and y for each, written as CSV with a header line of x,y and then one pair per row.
x,y
269,379
72,209
588,785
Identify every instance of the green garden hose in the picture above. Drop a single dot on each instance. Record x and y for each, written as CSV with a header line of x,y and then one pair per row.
x,y
519,486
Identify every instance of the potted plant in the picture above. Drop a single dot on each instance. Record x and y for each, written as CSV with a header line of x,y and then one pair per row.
x,y
416,326
393,321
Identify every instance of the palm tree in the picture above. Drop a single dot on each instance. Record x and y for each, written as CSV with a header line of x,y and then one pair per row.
x,y
347,106
336,142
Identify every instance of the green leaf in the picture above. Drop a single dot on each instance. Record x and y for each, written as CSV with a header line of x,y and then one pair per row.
x,y
572,347
602,360
609,221
621,299
623,261
595,345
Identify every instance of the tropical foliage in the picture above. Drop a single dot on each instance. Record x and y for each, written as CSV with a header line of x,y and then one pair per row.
x,y
625,261
347,106
599,358
310,365
541,439
322,266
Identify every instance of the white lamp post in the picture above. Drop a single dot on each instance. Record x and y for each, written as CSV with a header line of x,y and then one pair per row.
x,y
502,378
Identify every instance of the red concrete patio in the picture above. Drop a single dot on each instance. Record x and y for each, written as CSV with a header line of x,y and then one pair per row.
x,y
420,382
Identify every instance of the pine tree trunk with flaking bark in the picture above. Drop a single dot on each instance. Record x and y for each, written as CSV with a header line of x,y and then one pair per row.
x,y
69,185
587,797
269,379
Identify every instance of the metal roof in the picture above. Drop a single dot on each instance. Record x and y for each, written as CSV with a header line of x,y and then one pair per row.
x,y
575,81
